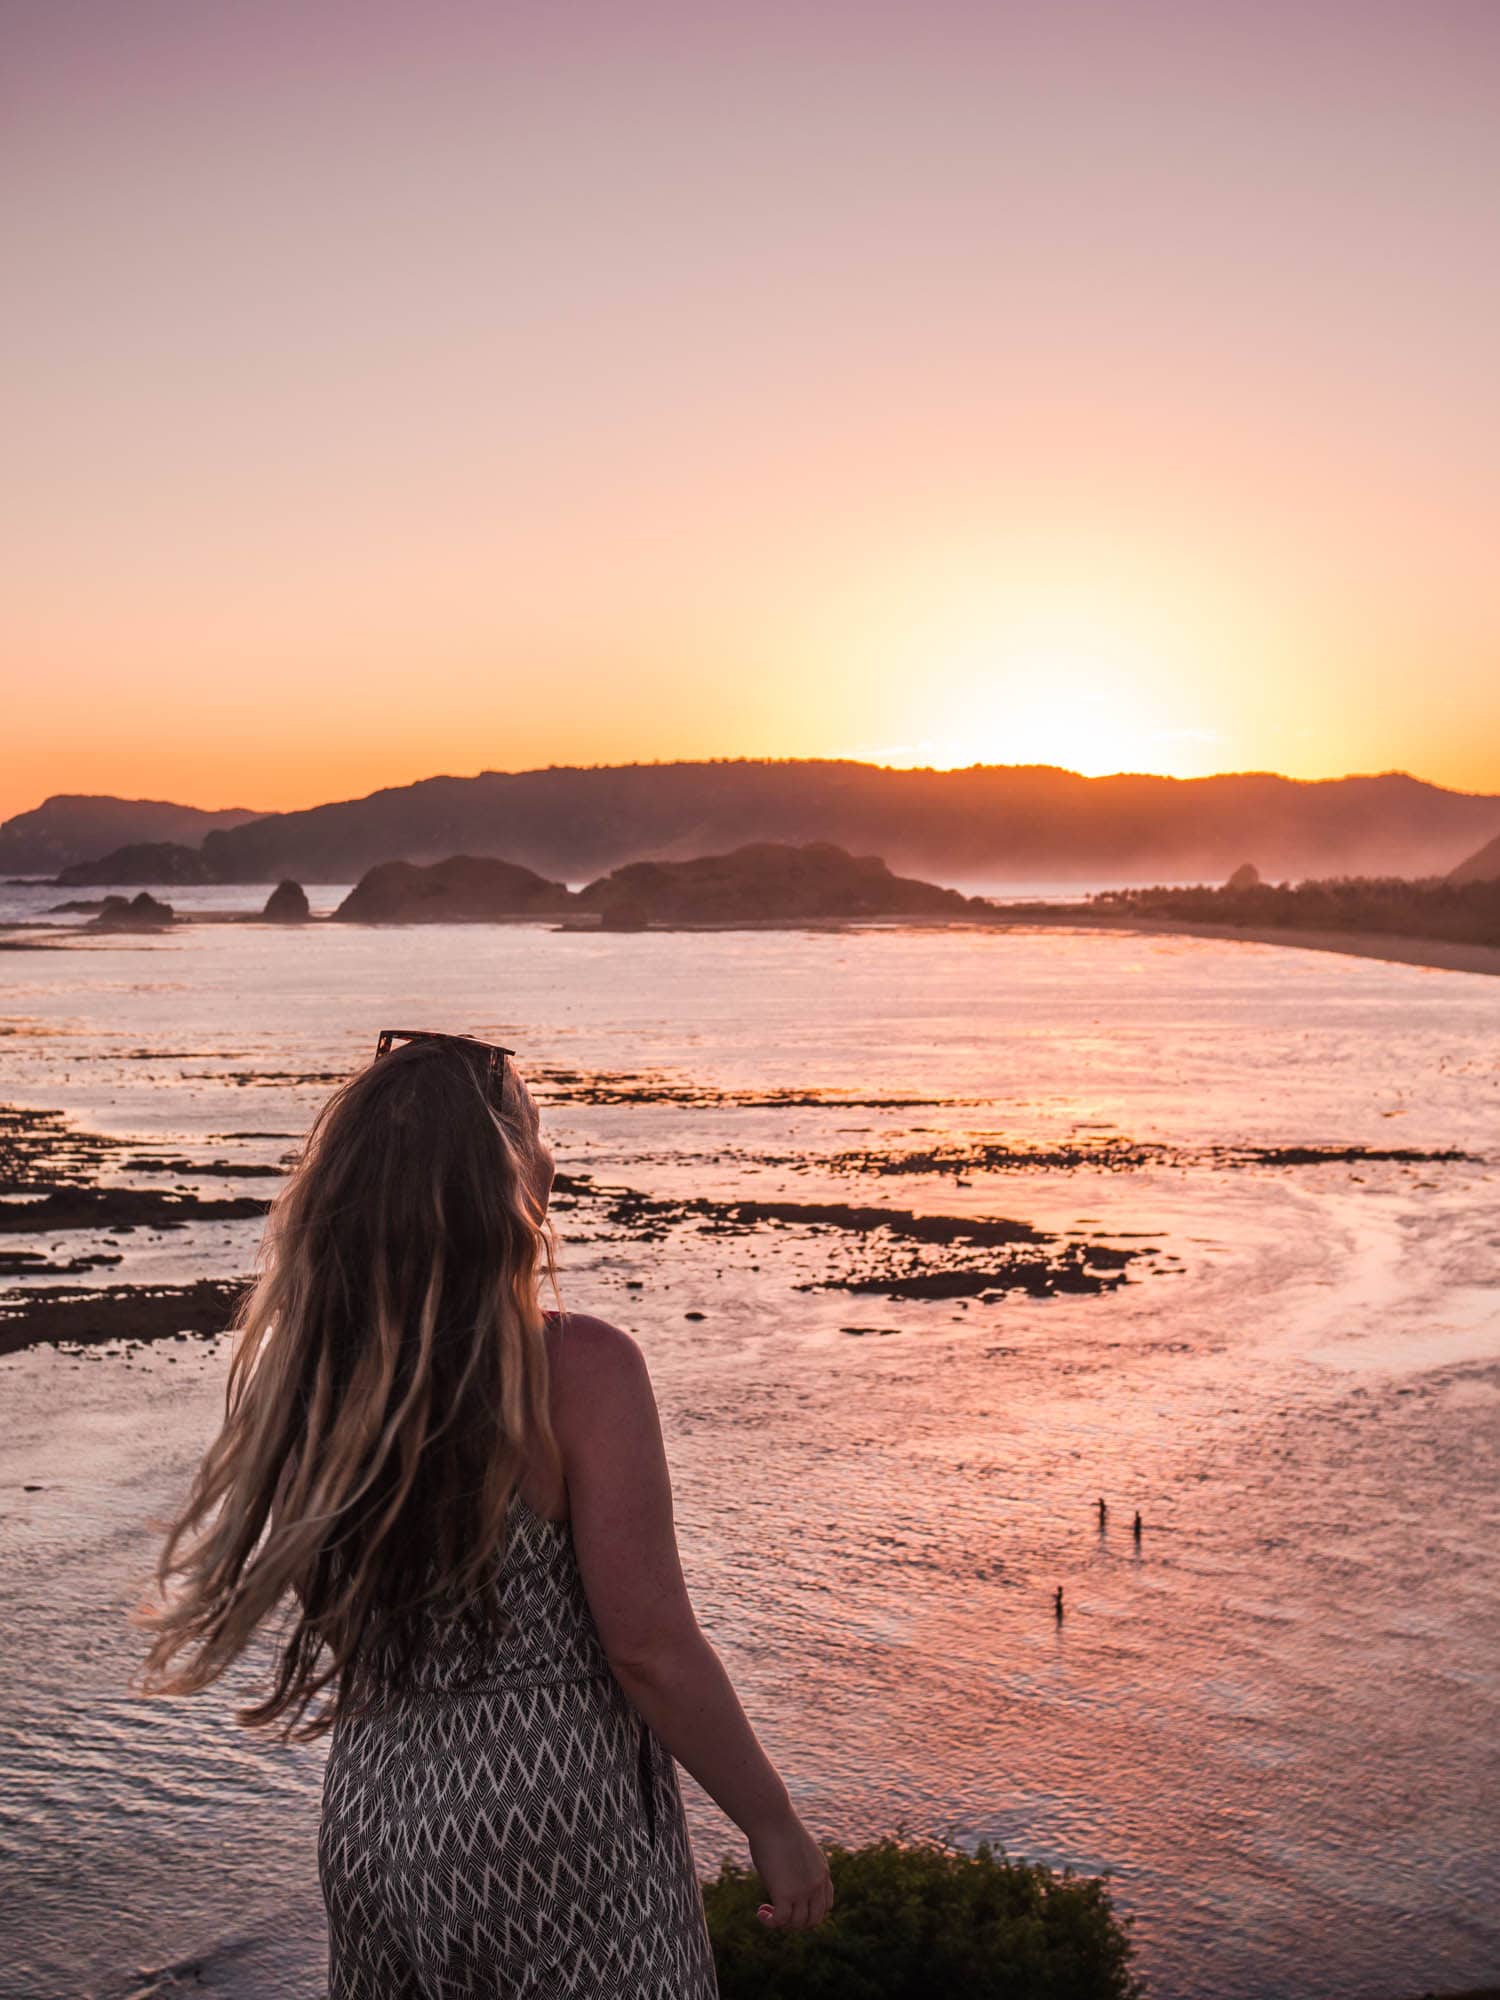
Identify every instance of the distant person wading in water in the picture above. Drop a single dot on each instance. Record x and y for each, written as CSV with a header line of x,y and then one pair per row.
x,y
455,1508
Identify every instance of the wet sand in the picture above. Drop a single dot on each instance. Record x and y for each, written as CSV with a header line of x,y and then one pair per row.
x,y
73,1223
48,1174
1436,954
1273,1717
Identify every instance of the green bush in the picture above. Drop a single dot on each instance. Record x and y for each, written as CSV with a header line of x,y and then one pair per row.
x,y
920,1920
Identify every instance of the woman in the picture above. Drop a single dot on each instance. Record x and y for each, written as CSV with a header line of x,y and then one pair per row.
x,y
454,1513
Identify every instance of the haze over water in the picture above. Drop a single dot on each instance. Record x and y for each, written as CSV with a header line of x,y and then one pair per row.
x,y
1276,1720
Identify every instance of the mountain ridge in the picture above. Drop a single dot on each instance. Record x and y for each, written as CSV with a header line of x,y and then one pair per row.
x,y
70,827
991,823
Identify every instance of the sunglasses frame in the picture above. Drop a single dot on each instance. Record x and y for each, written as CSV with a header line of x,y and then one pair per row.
x,y
493,1053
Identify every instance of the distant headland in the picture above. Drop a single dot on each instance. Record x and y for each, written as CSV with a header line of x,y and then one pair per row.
x,y
988,825
763,882
1446,922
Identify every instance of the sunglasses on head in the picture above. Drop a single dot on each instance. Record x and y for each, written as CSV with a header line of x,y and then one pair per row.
x,y
487,1057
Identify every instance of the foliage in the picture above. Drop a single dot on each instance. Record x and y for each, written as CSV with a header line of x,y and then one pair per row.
x,y
921,1920
1460,912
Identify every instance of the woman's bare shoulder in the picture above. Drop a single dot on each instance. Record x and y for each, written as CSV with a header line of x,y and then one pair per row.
x,y
593,1354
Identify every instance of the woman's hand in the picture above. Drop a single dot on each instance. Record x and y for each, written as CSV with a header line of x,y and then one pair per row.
x,y
790,1863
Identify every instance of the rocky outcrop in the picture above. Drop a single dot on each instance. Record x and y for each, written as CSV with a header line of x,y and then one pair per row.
x,y
287,904
156,862
1481,867
1246,876
772,883
465,889
763,883
133,913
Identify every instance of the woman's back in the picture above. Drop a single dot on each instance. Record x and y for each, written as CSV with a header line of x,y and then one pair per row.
x,y
507,1823
458,1510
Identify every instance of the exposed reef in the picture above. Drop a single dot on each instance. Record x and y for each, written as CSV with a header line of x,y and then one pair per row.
x,y
41,1150
132,1313
50,1187
65,1207
571,1086
133,913
1119,1155
119,1208
891,1251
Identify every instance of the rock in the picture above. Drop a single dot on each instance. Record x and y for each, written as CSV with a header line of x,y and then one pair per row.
x,y
466,889
1246,876
768,882
287,904
139,913
772,882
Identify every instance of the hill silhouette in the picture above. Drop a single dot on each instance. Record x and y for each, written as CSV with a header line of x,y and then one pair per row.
x,y
987,824
463,889
1481,867
1005,822
766,882
74,826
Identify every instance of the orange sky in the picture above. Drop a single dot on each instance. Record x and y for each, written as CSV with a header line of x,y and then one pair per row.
x,y
398,390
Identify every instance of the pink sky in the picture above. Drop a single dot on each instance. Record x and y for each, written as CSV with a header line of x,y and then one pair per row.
x,y
400,389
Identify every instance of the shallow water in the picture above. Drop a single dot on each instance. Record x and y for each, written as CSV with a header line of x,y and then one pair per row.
x,y
1275,1720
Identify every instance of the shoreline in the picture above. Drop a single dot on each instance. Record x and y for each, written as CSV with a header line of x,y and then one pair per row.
x,y
1392,948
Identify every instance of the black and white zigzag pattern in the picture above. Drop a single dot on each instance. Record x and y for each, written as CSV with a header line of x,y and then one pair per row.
x,y
515,1832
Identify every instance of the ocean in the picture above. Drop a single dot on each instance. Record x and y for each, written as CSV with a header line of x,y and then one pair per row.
x,y
1251,1294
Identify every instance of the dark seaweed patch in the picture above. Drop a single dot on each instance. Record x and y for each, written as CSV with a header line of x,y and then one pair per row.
x,y
121,1208
1118,1155
602,1087
117,1312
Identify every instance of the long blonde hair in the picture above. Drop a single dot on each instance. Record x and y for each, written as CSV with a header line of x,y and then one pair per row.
x,y
387,1392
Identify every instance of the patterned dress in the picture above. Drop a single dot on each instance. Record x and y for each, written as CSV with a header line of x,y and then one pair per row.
x,y
515,1832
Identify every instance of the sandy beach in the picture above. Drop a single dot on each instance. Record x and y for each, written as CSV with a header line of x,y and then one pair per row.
x,y
1435,954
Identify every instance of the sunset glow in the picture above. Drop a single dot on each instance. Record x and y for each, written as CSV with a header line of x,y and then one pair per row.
x,y
1107,386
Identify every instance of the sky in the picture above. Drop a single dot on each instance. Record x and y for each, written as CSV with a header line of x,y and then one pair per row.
x,y
395,389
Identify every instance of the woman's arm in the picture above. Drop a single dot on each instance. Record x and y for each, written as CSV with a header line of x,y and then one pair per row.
x,y
620,1498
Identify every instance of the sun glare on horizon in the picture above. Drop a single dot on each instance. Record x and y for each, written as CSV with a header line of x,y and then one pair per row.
x,y
1082,711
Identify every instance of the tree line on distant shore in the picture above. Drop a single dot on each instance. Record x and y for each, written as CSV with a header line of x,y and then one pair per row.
x,y
1458,912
